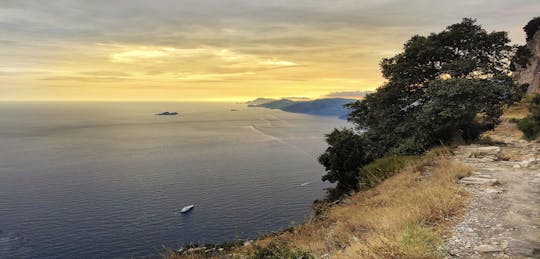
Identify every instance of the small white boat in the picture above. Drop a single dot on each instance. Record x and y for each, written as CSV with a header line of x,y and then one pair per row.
x,y
187,208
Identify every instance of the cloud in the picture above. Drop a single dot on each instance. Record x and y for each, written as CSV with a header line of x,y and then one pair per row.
x,y
106,73
349,94
277,63
91,79
136,55
211,76
278,48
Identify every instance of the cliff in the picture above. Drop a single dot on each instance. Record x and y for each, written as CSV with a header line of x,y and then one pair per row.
x,y
320,107
531,74
448,203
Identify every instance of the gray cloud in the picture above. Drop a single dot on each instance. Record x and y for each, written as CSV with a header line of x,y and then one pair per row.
x,y
171,22
337,42
349,94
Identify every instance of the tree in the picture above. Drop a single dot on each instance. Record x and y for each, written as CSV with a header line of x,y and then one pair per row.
x,y
342,158
521,58
441,87
530,125
532,27
436,87
463,49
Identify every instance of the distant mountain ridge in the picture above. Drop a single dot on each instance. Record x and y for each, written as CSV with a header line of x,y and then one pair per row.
x,y
320,107
260,101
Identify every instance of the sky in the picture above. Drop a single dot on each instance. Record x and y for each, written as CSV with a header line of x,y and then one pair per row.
x,y
234,50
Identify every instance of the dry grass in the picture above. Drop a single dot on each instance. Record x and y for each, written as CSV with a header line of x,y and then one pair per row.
x,y
516,111
403,217
505,131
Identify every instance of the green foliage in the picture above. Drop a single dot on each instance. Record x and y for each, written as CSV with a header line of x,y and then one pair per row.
x,y
462,50
532,27
530,125
521,58
343,157
416,237
381,169
450,107
447,86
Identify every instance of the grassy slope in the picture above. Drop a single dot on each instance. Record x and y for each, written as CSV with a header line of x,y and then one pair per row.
x,y
404,216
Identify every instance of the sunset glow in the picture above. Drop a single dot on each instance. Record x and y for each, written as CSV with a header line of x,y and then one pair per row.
x,y
237,50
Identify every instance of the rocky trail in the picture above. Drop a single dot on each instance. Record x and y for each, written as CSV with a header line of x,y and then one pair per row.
x,y
503,218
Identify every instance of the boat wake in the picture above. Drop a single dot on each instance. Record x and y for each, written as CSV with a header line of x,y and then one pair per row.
x,y
274,138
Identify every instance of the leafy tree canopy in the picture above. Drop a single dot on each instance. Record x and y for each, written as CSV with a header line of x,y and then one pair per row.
x,y
532,27
343,158
463,49
442,87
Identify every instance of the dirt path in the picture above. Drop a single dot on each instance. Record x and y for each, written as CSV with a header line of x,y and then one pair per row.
x,y
503,219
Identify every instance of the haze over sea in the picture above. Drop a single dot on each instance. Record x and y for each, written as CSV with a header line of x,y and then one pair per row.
x,y
108,179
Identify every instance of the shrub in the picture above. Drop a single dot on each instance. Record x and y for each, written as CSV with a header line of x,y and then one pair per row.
x,y
417,238
532,27
342,159
530,125
381,169
521,58
443,87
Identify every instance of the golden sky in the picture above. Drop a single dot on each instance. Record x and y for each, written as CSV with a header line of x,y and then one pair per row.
x,y
230,50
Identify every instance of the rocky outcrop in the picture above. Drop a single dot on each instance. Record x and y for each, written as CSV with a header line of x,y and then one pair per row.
x,y
531,74
502,220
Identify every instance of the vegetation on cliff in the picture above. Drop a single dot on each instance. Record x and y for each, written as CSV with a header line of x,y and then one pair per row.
x,y
321,107
401,188
402,217
447,86
530,125
532,27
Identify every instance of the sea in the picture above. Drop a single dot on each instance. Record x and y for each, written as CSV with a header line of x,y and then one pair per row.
x,y
108,179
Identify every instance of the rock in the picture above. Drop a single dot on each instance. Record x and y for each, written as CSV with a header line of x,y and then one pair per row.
x,y
527,163
196,249
470,180
167,114
484,176
247,243
530,74
492,190
221,249
504,244
484,151
487,249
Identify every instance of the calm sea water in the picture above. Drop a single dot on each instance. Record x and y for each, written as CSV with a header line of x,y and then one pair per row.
x,y
98,180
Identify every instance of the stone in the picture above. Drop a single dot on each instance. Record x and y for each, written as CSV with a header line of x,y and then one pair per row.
x,y
484,176
471,180
196,249
504,244
531,73
487,249
527,163
492,190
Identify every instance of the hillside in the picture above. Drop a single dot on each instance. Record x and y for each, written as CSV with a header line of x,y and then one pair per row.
x,y
260,101
530,74
320,107
468,201
428,171
386,221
